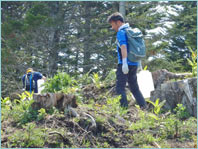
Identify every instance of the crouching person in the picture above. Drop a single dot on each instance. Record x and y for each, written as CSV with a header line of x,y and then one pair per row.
x,y
30,80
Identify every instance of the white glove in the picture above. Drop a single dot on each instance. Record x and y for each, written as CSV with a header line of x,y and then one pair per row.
x,y
125,68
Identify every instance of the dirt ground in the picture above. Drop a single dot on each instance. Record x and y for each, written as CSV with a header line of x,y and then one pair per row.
x,y
64,129
71,132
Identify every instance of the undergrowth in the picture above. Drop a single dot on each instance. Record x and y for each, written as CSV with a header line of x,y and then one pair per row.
x,y
152,128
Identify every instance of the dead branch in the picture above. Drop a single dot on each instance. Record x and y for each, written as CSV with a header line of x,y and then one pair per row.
x,y
156,145
93,126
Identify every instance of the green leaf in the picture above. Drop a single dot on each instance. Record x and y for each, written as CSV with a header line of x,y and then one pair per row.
x,y
153,116
151,102
157,102
145,68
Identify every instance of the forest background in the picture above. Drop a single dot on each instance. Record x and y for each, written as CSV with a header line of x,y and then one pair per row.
x,y
75,37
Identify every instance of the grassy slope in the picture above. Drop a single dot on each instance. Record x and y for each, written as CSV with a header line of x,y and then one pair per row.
x,y
116,127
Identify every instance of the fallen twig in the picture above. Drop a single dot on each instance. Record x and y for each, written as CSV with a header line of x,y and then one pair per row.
x,y
156,145
79,126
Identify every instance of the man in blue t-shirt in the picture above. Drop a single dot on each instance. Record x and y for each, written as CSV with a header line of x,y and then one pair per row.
x,y
126,70
30,80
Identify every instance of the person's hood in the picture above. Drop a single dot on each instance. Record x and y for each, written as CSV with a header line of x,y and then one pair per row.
x,y
124,26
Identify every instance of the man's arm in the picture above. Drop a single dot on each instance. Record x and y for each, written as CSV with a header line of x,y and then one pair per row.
x,y
121,37
124,51
125,68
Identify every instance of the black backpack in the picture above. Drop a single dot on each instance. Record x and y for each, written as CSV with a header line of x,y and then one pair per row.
x,y
29,82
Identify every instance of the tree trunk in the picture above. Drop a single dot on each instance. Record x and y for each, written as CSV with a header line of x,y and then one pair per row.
x,y
122,8
55,37
87,49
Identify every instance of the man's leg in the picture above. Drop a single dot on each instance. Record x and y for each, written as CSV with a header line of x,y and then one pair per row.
x,y
134,87
120,86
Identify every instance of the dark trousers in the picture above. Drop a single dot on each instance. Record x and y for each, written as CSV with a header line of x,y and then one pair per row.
x,y
131,77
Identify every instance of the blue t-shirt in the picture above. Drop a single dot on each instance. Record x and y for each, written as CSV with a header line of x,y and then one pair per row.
x,y
36,77
122,39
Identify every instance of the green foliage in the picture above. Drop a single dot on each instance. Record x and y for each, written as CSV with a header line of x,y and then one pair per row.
x,y
85,79
22,111
106,145
165,63
181,112
142,138
38,34
29,137
145,68
28,28
60,81
113,105
96,80
156,110
193,62
36,16
145,122
186,130
12,25
110,78
100,119
183,32
86,143
157,106
26,96
41,114
141,124
169,127
6,105
5,102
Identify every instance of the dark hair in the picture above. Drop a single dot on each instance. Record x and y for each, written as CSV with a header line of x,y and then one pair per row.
x,y
115,17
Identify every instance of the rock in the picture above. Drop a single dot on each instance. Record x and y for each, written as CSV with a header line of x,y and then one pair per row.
x,y
163,75
179,92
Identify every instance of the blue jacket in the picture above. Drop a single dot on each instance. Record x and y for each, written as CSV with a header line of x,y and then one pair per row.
x,y
122,39
36,77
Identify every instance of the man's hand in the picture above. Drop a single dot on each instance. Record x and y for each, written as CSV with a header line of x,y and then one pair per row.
x,y
125,68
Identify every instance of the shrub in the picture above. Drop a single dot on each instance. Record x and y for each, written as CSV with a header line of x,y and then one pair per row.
x,y
59,82
193,62
30,137
181,112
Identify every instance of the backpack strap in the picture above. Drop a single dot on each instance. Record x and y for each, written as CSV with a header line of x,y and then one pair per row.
x,y
31,77
30,82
